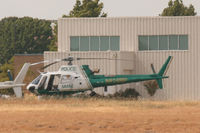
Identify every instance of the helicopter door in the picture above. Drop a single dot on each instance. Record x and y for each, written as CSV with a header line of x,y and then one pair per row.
x,y
66,82
55,81
42,83
50,84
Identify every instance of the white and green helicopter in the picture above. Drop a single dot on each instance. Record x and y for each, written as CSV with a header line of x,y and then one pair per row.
x,y
17,83
70,79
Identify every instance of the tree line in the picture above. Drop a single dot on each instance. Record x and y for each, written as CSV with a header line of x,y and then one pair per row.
x,y
23,36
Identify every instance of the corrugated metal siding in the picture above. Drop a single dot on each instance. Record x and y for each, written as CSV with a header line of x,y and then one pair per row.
x,y
95,27
183,83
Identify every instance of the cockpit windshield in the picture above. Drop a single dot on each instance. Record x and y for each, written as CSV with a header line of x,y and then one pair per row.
x,y
37,80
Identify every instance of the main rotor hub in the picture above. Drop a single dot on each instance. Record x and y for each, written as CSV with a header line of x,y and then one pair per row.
x,y
70,59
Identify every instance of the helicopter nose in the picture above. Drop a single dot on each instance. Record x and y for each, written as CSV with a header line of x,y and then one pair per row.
x,y
31,89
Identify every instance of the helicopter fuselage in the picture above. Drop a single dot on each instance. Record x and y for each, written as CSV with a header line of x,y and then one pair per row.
x,y
73,78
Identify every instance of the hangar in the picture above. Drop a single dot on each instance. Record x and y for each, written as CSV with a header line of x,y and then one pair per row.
x,y
142,41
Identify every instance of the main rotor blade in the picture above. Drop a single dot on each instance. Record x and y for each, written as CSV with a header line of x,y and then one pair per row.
x,y
90,58
39,62
55,61
101,59
49,65
70,59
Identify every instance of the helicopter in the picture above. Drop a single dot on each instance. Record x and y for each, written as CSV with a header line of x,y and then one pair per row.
x,y
71,79
17,83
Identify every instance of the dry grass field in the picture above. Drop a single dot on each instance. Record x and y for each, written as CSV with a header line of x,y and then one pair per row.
x,y
75,115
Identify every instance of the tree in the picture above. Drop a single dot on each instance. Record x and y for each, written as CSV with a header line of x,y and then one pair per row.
x,y
4,76
177,8
54,42
87,8
23,35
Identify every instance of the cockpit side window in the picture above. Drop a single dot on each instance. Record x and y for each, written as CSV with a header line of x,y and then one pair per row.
x,y
42,83
37,80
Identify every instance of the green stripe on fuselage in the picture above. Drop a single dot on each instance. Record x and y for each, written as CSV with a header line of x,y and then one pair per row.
x,y
101,80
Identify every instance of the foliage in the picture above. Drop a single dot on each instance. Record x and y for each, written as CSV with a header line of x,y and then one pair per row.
x,y
4,76
23,35
9,91
128,93
53,46
87,8
177,8
4,69
151,87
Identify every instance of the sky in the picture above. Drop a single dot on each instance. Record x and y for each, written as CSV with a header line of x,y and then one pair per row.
x,y
54,9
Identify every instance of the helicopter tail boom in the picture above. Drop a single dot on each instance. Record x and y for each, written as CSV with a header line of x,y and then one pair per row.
x,y
102,80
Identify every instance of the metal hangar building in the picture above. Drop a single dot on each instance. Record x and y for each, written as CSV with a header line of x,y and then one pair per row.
x,y
141,41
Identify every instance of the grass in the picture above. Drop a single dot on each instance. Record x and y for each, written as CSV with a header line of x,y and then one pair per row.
x,y
32,103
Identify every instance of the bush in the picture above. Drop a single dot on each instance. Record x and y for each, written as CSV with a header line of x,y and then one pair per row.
x,y
151,87
128,93
4,76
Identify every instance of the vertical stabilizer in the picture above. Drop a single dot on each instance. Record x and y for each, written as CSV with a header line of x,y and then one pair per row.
x,y
163,71
164,68
21,75
19,80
